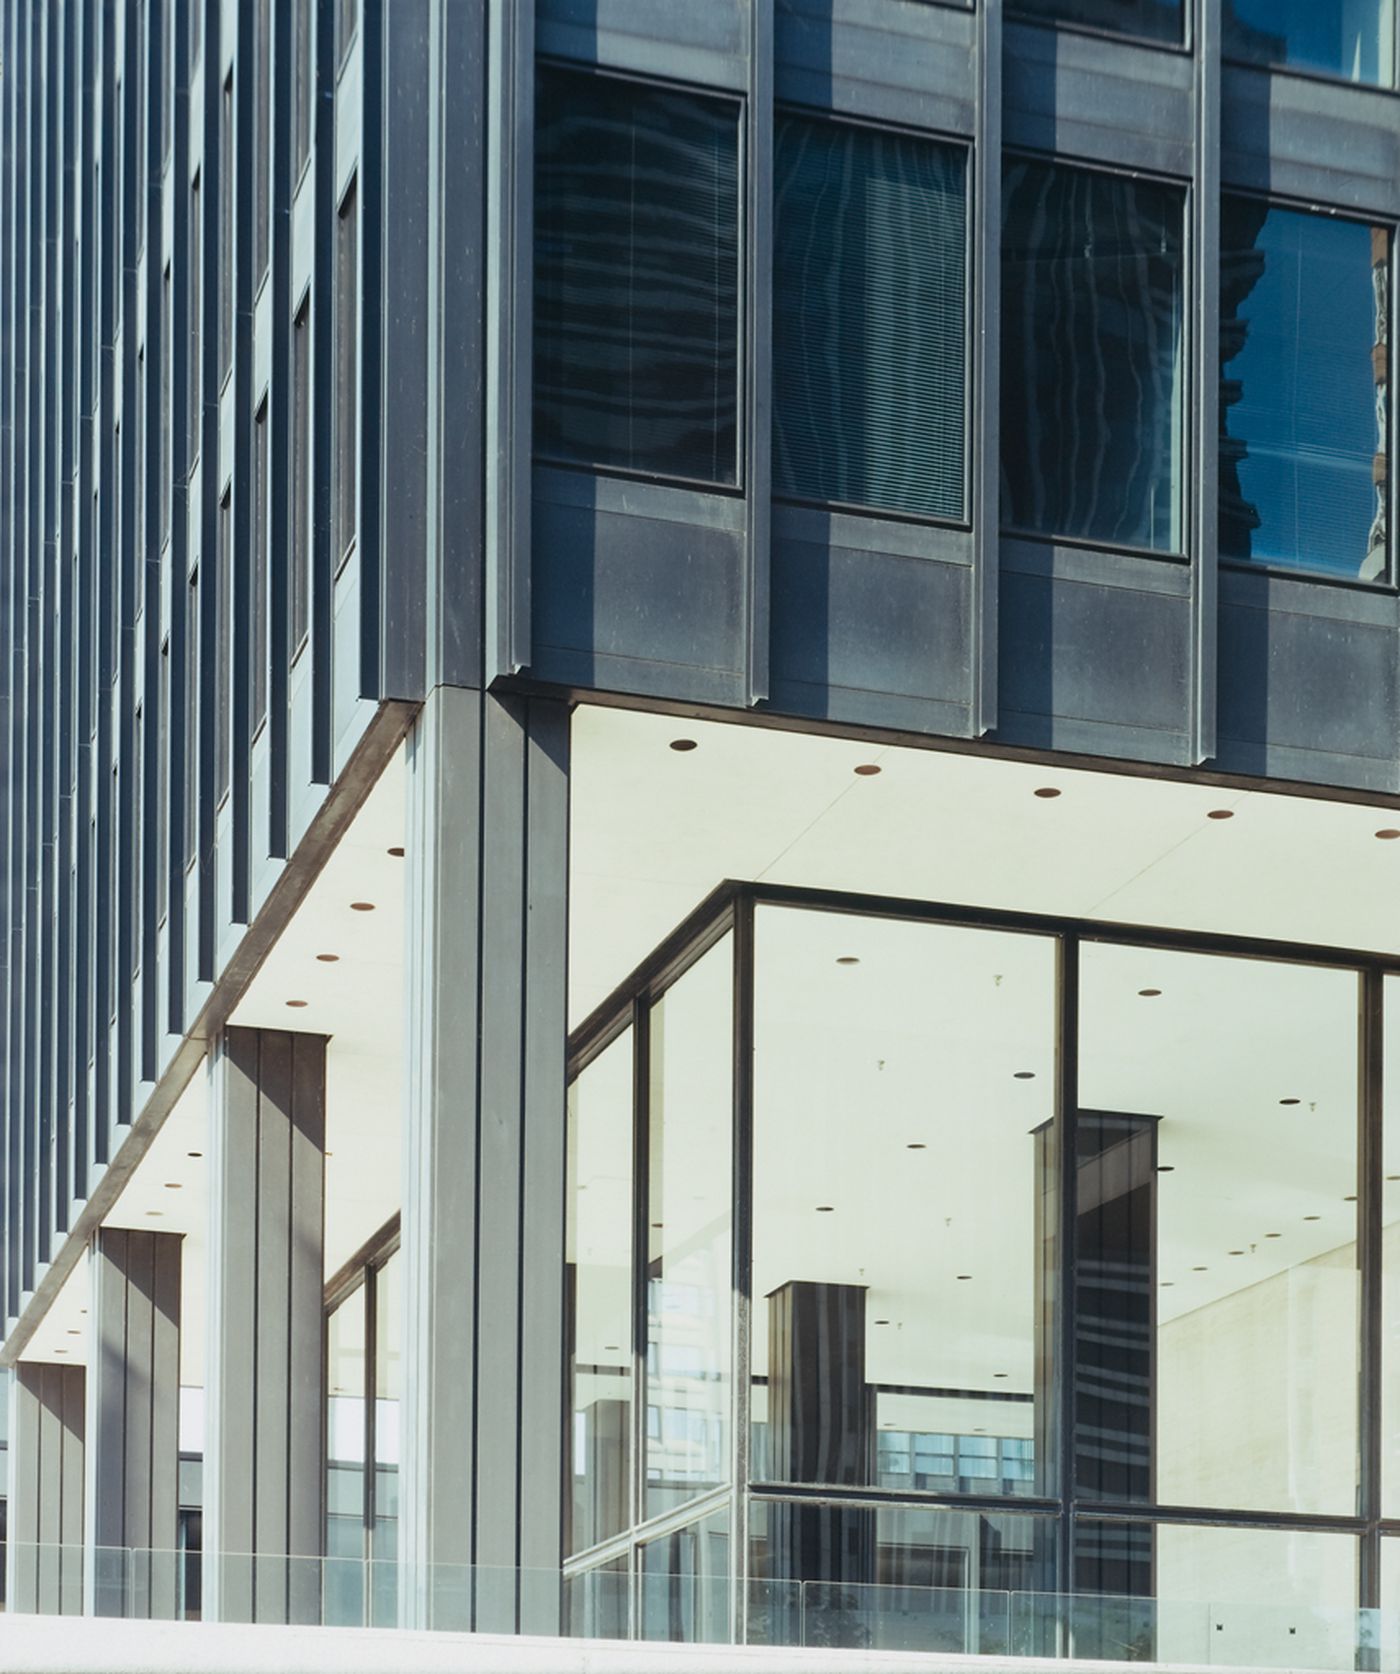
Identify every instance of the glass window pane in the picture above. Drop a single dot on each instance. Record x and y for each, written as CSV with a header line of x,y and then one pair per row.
x,y
1390,1264
685,1583
1349,38
345,1460
1247,1597
1154,20
903,1243
596,1602
1091,378
636,277
1217,1298
598,1275
689,1260
891,1577
869,318
388,1389
1303,394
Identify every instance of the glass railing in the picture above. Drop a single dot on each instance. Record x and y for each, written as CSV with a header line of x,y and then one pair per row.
x,y
606,1603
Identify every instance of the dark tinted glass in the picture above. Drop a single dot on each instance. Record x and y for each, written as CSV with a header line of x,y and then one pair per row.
x,y
869,310
1091,377
636,277
1303,390
1155,20
1349,38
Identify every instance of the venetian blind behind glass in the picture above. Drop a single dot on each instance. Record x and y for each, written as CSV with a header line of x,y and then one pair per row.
x,y
636,277
1091,378
869,318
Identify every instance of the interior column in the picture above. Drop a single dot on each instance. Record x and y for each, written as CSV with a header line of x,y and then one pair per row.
x,y
484,1166
133,1424
264,1461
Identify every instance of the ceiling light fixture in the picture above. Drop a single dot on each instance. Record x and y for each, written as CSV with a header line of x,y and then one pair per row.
x,y
362,906
173,1185
1273,1235
296,1005
1168,1283
1221,814
1235,1252
1166,1168
1046,792
882,1322
396,852
866,770
964,1275
916,1145
1024,1075
329,958
999,1374
683,745
1200,1270
656,1226
60,1351
848,959
1148,993
1351,1199
826,1208
1290,1101
194,1153
1312,1217
611,1348
1388,834
155,1213
73,1331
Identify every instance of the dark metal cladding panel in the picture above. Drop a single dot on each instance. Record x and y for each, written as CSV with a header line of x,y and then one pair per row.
x,y
883,636
1121,105
1309,694
634,602
677,39
902,60
1090,666
1309,138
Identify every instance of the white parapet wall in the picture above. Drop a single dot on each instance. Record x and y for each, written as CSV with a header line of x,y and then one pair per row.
x,y
67,1645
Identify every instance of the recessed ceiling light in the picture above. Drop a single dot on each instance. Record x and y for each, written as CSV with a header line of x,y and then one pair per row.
x,y
916,1145
611,1348
848,959
1047,792
1166,1168
154,1213
1273,1235
60,1351
999,1374
362,906
882,1322
825,1208
329,958
1290,1101
1200,1269
296,1005
194,1153
1388,834
1148,993
73,1331
682,745
1221,814
1168,1283
396,852
1235,1252
1393,1176
1024,1075
964,1275
173,1185
867,770
1312,1217
656,1226
1351,1199
979,1431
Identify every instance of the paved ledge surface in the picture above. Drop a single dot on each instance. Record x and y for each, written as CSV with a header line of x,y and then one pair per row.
x,y
80,1645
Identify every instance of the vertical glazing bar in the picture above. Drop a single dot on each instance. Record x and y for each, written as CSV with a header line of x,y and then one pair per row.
x,y
1370,1255
985,479
641,1185
758,268
1061,1472
1201,445
741,1278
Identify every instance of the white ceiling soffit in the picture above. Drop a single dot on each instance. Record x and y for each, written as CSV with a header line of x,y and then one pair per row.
x,y
655,828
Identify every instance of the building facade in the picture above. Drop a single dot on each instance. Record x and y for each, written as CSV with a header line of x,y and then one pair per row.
x,y
701,733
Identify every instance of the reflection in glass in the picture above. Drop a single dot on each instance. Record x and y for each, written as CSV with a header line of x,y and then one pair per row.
x,y
596,1602
937,1580
1304,390
636,277
345,1460
1353,39
685,1583
869,317
388,1390
1152,20
689,1261
1091,378
1218,1194
898,1253
598,1276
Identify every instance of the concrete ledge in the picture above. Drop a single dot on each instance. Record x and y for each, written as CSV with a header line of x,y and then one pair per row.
x,y
70,1645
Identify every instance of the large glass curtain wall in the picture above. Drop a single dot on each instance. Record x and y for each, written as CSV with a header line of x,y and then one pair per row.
x,y
918,1259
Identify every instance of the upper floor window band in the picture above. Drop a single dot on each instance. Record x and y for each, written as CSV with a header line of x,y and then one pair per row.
x,y
1353,39
1152,20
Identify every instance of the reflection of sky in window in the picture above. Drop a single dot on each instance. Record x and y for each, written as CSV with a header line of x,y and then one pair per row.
x,y
1307,413
1348,38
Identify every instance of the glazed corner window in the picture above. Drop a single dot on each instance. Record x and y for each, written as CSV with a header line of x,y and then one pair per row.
x,y
1304,395
1152,20
1353,39
869,318
1092,384
636,277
